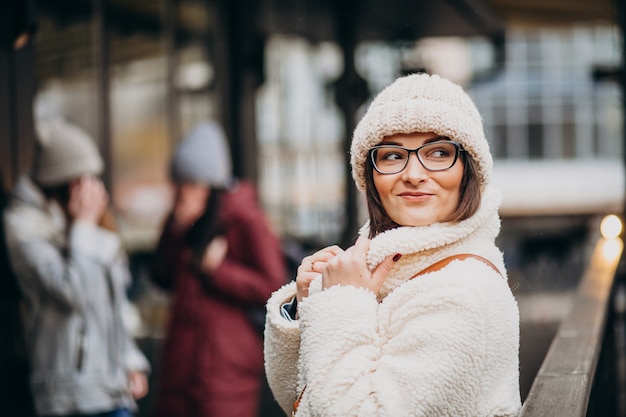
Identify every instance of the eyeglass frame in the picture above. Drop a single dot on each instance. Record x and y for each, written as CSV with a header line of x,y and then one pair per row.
x,y
457,146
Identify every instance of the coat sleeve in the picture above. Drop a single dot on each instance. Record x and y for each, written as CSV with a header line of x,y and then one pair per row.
x,y
421,352
255,267
64,278
133,358
282,343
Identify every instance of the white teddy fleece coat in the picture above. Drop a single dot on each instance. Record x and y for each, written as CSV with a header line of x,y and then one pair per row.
x,y
443,344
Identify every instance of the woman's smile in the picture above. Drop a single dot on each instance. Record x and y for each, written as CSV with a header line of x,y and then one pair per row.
x,y
415,196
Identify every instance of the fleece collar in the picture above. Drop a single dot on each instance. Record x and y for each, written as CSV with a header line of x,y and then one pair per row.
x,y
409,240
422,246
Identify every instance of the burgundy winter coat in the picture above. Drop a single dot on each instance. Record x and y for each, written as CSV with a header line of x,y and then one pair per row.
x,y
212,361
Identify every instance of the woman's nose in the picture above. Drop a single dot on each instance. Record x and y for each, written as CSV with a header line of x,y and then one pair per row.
x,y
414,171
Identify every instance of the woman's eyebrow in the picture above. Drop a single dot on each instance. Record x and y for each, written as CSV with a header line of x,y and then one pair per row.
x,y
436,139
390,142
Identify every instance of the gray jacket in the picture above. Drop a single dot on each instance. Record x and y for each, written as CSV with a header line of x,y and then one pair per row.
x,y
74,286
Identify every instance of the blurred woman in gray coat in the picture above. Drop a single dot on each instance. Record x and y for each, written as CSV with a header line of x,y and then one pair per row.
x,y
73,273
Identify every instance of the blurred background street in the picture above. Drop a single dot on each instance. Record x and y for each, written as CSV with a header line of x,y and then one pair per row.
x,y
289,81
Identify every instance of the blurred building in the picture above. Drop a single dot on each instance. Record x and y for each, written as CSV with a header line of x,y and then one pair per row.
x,y
289,83
554,121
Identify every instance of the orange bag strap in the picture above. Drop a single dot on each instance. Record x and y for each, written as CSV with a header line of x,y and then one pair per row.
x,y
432,268
296,403
445,261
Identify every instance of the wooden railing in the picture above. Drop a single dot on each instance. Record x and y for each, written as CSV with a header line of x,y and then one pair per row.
x,y
563,385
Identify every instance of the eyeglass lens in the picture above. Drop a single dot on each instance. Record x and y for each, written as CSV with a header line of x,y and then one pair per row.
x,y
437,156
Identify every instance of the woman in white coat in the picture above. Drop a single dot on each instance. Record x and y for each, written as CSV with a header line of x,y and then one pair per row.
x,y
417,318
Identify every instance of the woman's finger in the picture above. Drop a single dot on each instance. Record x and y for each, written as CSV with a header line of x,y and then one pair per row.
x,y
383,269
326,254
311,267
303,282
361,247
320,257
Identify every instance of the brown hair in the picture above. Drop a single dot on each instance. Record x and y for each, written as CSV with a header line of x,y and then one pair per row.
x,y
469,198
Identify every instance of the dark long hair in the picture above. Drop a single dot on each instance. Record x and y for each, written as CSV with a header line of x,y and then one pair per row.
x,y
469,198
207,227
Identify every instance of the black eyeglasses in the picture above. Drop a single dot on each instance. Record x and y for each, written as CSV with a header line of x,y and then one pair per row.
x,y
434,156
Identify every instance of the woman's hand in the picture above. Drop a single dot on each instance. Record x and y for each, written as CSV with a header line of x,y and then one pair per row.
x,y
88,200
350,268
214,254
138,384
311,267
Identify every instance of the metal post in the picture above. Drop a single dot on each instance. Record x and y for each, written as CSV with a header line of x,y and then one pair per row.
x,y
237,80
8,141
351,93
17,81
170,24
103,87
23,101
621,16
225,67
621,365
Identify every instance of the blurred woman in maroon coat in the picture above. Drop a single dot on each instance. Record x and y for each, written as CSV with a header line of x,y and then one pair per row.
x,y
220,259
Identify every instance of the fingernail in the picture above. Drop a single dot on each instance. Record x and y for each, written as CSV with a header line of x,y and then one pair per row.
x,y
397,257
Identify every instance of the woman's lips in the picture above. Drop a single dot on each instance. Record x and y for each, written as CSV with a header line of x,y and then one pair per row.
x,y
415,196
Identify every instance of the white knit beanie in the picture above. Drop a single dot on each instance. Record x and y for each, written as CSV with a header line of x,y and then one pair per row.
x,y
203,157
66,152
421,103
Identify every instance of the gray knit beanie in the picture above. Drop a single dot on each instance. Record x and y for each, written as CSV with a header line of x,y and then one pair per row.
x,y
421,103
66,152
203,157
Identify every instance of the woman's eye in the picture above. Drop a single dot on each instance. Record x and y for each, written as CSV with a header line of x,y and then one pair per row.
x,y
438,153
393,156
